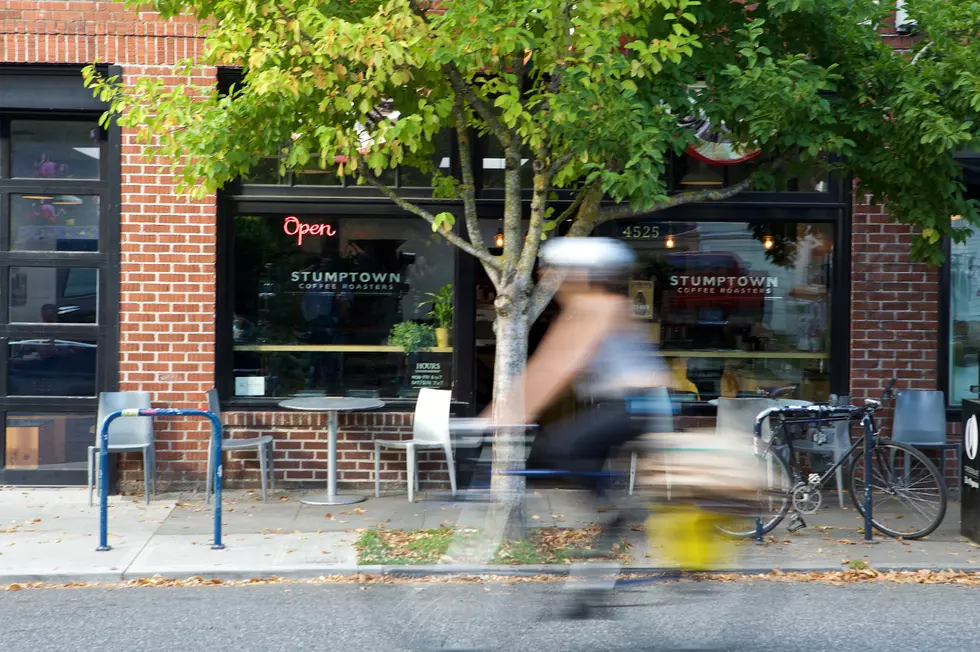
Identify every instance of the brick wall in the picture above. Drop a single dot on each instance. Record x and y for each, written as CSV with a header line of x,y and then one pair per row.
x,y
894,307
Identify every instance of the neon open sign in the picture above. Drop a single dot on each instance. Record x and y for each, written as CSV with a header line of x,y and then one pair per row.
x,y
292,226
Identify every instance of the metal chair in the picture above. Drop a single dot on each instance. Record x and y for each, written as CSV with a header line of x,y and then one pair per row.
x,y
126,435
265,448
920,421
836,442
430,430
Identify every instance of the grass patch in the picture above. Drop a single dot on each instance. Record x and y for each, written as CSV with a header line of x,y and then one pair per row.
x,y
403,546
541,546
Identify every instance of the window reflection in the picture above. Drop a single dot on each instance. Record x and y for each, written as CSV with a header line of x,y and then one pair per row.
x,y
51,367
316,298
736,306
47,441
964,350
54,149
494,166
54,222
64,295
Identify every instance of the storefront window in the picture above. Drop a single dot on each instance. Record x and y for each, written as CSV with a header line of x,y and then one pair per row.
x,y
52,149
49,222
964,349
316,297
736,306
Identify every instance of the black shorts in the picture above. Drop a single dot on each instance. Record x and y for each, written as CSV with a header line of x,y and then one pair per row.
x,y
583,442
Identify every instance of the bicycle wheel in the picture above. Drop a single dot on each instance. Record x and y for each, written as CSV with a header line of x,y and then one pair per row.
x,y
908,493
774,504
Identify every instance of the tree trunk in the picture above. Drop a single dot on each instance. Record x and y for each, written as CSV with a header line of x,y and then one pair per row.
x,y
511,329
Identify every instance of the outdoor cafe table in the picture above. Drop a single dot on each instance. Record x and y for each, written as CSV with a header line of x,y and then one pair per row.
x,y
331,405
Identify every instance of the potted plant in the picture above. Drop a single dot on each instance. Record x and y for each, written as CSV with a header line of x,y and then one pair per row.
x,y
412,337
441,311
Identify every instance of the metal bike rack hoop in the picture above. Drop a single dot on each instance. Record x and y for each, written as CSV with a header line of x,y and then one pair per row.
x,y
104,465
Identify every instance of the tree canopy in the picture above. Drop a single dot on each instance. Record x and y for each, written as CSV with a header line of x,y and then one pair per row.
x,y
595,92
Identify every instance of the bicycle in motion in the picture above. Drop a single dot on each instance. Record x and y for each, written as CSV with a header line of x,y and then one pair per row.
x,y
908,492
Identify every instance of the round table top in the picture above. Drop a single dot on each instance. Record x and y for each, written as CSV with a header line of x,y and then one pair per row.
x,y
331,404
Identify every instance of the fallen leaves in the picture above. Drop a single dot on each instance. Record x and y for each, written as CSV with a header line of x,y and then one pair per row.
x,y
836,578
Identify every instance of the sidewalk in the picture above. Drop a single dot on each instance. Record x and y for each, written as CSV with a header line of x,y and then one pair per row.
x,y
50,535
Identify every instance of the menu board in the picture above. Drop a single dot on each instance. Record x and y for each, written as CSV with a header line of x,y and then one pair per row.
x,y
429,373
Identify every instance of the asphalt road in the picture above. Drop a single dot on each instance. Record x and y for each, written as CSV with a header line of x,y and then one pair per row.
x,y
745,616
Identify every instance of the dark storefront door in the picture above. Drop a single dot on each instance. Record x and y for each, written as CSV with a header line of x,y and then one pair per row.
x,y
57,319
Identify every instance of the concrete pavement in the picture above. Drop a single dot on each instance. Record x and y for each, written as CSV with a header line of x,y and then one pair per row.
x,y
50,535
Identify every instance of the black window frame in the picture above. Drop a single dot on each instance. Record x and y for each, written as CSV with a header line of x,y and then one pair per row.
x,y
835,213
229,207
55,92
972,180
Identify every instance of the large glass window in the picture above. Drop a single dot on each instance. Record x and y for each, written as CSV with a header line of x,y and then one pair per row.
x,y
964,291
55,149
50,222
736,306
316,297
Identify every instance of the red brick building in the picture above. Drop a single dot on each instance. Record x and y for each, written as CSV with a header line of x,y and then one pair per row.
x,y
118,283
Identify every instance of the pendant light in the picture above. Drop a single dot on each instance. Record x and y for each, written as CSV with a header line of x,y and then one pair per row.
x,y
768,242
498,239
669,243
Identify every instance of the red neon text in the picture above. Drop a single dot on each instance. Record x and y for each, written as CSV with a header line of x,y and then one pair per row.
x,y
292,226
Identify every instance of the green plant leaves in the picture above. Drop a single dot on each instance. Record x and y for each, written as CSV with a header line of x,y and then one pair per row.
x,y
367,86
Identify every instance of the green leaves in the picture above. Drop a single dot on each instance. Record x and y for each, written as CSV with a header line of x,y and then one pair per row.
x,y
365,87
443,221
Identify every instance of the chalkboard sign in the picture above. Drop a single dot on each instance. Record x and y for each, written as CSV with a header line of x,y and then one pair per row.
x,y
428,374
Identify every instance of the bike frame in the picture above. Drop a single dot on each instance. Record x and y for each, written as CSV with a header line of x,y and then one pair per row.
x,y
839,463
829,414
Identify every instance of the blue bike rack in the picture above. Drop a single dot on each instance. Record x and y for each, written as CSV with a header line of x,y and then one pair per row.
x,y
104,465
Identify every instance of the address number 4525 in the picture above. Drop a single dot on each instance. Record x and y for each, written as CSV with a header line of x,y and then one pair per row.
x,y
641,232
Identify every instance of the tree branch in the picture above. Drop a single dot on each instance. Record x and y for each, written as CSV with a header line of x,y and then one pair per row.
x,y
539,203
484,256
690,197
560,162
468,186
481,106
462,87
572,208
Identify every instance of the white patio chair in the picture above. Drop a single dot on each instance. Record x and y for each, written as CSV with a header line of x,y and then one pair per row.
x,y
430,430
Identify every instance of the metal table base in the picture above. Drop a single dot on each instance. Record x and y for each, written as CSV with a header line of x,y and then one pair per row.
x,y
331,497
327,499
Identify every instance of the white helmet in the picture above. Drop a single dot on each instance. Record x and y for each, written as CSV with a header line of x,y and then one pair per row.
x,y
597,255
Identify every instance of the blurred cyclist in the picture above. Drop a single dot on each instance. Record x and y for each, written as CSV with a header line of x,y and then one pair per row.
x,y
595,346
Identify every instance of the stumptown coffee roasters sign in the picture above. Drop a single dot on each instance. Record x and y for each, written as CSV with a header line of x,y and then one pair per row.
x,y
356,282
718,285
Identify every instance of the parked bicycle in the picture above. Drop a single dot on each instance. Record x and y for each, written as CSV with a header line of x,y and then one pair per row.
x,y
909,494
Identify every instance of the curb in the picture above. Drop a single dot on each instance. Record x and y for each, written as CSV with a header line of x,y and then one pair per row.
x,y
413,572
